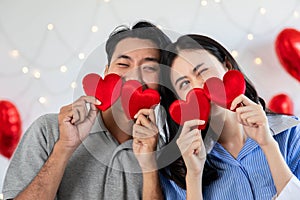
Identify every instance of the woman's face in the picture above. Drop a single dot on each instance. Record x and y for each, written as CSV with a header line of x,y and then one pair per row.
x,y
191,68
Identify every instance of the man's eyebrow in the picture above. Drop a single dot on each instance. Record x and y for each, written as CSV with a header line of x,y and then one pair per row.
x,y
151,59
197,67
179,79
124,57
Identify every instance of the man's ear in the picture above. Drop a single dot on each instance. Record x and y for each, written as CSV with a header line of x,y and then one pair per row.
x,y
106,70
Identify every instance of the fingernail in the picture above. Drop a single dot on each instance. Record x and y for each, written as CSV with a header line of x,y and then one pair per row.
x,y
98,102
202,122
135,116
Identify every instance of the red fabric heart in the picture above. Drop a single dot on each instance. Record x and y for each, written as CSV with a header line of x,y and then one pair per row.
x,y
10,129
287,46
224,92
196,106
134,98
106,90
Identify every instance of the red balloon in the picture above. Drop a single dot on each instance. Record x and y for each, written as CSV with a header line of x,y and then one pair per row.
x,y
282,104
10,128
287,48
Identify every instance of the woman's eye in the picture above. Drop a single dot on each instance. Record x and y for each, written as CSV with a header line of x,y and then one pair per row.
x,y
183,84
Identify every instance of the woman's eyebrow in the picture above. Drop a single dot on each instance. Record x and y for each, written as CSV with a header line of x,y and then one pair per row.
x,y
197,67
179,79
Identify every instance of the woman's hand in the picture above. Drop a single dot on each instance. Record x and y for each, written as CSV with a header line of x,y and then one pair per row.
x,y
192,147
75,121
254,120
145,137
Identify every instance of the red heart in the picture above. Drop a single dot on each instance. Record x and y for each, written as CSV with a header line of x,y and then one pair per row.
x,y
134,98
10,129
196,106
287,46
106,90
224,92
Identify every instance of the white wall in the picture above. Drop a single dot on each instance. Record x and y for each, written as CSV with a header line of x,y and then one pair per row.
x,y
23,27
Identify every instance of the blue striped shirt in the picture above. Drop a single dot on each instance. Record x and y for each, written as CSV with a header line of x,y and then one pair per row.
x,y
248,176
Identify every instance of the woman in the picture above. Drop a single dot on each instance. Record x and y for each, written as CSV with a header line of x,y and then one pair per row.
x,y
252,159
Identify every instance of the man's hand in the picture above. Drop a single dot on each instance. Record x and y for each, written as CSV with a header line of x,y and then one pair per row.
x,y
76,120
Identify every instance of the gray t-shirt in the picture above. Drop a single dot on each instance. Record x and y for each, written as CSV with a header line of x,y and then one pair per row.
x,y
100,168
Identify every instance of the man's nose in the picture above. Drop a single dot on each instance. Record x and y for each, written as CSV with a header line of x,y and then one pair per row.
x,y
134,74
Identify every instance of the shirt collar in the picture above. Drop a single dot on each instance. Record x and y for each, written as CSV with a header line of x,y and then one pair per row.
x,y
279,123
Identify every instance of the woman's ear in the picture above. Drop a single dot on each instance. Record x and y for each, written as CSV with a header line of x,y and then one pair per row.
x,y
106,70
227,65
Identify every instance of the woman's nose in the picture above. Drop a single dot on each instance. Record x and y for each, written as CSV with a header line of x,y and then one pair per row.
x,y
198,82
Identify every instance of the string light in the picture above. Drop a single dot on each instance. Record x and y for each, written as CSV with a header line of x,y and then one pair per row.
x,y
94,29
250,36
63,69
106,1
258,61
218,1
42,100
262,11
15,53
81,56
159,26
73,85
25,70
50,27
296,14
204,3
234,53
37,75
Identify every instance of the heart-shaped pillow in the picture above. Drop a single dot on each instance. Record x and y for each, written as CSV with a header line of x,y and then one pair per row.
x,y
288,51
196,106
134,98
10,129
106,90
224,92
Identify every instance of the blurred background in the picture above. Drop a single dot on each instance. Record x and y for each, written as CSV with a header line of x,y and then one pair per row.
x,y
44,47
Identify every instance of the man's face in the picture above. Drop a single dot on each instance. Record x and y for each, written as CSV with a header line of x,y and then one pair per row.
x,y
136,59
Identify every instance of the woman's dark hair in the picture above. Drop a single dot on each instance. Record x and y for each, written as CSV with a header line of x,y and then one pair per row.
x,y
177,170
141,30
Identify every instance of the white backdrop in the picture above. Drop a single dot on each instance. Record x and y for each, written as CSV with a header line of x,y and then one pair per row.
x,y
43,44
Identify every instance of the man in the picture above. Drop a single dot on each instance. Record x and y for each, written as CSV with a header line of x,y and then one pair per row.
x,y
82,153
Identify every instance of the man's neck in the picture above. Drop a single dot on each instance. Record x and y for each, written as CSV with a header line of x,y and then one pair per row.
x,y
120,134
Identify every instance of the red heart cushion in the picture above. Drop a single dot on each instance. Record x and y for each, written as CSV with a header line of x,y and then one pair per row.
x,y
134,98
288,51
196,106
10,129
106,90
224,92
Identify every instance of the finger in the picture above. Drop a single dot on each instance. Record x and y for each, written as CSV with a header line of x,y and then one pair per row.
x,y
91,99
142,132
241,99
149,113
191,124
144,121
92,113
80,113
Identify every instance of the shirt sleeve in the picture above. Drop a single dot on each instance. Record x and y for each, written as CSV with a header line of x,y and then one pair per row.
x,y
291,191
293,159
31,154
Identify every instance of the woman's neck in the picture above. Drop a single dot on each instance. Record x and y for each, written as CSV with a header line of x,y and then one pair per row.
x,y
232,137
112,124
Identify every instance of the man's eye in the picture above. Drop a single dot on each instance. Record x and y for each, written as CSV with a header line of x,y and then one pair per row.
x,y
123,64
183,84
150,68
